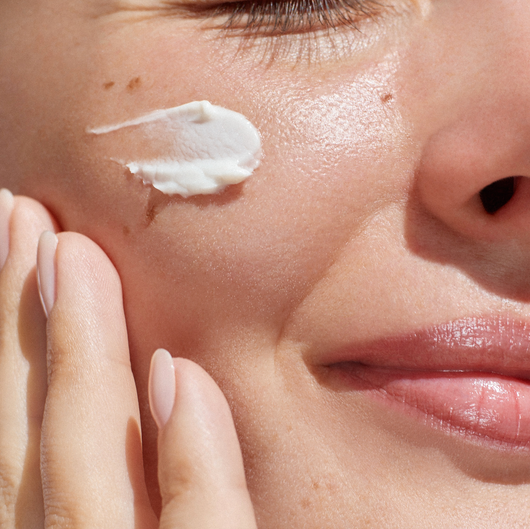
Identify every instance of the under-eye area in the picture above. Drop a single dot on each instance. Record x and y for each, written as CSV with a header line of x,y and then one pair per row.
x,y
295,31
496,195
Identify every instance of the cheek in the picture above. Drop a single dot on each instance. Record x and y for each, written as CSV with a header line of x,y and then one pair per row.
x,y
247,257
244,260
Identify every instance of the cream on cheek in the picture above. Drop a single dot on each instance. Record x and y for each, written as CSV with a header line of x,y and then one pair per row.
x,y
194,149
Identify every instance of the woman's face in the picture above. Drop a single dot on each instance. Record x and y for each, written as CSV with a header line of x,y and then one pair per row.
x,y
364,314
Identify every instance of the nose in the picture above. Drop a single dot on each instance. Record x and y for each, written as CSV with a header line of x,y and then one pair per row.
x,y
474,174
473,179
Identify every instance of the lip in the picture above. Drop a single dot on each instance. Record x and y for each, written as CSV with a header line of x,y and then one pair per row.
x,y
469,377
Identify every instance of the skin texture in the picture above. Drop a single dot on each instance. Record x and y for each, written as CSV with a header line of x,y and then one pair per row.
x,y
363,221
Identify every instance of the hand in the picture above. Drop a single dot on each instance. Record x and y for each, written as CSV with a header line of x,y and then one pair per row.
x,y
70,445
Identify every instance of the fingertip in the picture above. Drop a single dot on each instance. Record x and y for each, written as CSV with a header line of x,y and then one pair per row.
x,y
161,387
200,465
7,197
7,202
46,251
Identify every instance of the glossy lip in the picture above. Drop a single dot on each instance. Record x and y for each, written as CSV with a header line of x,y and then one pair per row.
x,y
497,345
469,377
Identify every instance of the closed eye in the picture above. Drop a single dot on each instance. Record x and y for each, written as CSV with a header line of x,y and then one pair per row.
x,y
277,17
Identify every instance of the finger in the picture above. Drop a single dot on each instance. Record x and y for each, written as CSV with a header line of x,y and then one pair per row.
x,y
91,449
22,362
201,475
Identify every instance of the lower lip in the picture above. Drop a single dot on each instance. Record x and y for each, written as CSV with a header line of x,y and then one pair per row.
x,y
481,407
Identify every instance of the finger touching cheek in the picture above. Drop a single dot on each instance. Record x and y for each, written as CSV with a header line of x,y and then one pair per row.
x,y
91,446
201,475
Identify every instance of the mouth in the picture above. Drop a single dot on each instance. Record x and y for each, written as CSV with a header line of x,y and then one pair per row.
x,y
469,377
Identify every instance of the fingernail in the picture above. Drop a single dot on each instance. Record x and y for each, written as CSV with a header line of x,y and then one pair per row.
x,y
7,201
161,387
46,269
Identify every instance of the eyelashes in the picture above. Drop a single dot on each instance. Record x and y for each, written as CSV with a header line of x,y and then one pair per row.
x,y
283,17
295,31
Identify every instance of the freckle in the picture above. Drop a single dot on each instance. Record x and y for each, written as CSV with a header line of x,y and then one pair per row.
x,y
108,85
305,503
126,231
386,98
134,83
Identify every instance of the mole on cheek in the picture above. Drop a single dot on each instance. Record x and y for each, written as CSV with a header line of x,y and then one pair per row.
x,y
134,84
108,85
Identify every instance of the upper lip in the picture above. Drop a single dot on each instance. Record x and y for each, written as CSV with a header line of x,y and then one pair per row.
x,y
498,345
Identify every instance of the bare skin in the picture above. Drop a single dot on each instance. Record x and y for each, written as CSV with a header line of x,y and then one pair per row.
x,y
364,222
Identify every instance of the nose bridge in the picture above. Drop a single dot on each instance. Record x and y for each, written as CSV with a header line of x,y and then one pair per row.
x,y
475,141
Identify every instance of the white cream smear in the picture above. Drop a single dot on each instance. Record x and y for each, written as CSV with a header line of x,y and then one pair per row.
x,y
194,149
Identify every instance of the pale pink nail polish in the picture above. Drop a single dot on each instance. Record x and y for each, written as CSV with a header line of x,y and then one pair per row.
x,y
46,269
7,201
161,387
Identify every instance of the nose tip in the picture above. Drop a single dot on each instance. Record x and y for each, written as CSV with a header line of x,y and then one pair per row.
x,y
471,205
477,183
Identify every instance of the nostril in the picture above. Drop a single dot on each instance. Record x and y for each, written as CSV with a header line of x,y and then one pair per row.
x,y
498,194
